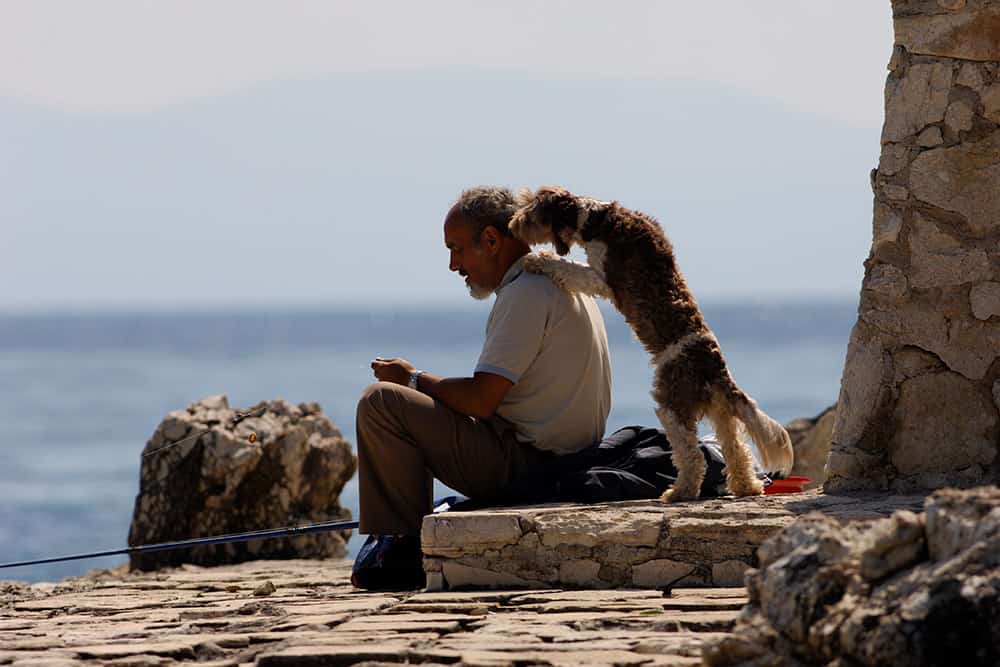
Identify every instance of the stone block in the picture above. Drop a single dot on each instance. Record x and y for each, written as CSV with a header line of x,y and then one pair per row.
x,y
583,572
944,423
984,300
962,178
918,99
940,260
729,573
965,34
439,536
666,572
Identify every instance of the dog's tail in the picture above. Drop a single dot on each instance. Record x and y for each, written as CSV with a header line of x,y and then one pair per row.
x,y
771,438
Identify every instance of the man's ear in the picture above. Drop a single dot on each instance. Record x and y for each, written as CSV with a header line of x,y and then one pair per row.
x,y
491,239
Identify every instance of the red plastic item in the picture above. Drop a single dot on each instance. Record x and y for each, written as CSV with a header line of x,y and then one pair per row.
x,y
787,485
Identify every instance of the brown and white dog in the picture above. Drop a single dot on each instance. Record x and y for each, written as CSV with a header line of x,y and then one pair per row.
x,y
631,262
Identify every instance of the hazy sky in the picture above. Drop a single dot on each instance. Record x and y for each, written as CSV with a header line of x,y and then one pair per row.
x,y
133,71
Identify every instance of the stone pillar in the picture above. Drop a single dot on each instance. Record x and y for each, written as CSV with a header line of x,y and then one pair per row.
x,y
919,403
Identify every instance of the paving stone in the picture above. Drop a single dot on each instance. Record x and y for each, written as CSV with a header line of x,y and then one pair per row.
x,y
331,656
209,616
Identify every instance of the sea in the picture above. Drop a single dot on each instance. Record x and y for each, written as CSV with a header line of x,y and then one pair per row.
x,y
82,392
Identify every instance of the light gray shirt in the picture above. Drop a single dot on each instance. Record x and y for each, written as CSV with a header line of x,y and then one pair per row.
x,y
552,345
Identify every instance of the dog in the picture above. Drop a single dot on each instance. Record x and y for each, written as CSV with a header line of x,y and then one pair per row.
x,y
631,262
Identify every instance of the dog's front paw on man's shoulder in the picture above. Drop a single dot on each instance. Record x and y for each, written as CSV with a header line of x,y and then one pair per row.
x,y
537,262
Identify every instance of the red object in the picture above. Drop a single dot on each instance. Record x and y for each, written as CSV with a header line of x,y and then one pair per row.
x,y
787,485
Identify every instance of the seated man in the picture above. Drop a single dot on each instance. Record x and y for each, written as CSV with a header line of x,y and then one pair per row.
x,y
541,388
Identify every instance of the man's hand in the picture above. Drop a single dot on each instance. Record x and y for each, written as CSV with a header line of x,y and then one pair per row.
x,y
393,370
477,396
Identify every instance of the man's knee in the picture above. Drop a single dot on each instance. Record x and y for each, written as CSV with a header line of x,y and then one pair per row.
x,y
375,400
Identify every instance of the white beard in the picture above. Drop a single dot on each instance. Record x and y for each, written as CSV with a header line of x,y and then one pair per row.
x,y
479,293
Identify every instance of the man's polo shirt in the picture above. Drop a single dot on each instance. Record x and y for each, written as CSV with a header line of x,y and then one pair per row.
x,y
552,345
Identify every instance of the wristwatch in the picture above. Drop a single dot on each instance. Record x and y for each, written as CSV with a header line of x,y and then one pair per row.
x,y
412,384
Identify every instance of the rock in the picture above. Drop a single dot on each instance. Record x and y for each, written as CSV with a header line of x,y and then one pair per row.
x,y
811,439
916,100
930,137
984,299
991,102
943,409
265,589
958,117
224,481
912,589
963,179
969,34
940,260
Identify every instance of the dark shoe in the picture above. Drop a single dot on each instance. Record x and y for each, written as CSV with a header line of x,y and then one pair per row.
x,y
389,563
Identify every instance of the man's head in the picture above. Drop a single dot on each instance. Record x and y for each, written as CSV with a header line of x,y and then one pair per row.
x,y
477,236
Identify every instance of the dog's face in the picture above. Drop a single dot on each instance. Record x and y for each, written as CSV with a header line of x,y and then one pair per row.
x,y
549,215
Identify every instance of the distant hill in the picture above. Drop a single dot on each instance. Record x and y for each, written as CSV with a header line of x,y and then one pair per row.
x,y
334,189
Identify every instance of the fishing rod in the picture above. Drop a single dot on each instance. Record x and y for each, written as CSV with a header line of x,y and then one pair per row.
x,y
199,541
240,416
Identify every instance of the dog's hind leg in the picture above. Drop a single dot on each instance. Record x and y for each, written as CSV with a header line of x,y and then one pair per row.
x,y
567,274
682,435
740,476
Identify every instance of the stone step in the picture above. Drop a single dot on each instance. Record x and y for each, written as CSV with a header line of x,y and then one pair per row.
x,y
641,544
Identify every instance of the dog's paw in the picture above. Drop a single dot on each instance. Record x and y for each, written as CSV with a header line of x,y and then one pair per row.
x,y
539,262
745,487
677,494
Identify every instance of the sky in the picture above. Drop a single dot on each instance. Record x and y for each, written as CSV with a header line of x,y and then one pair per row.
x,y
207,154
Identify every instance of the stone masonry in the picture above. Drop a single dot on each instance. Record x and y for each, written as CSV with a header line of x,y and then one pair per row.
x,y
641,544
919,405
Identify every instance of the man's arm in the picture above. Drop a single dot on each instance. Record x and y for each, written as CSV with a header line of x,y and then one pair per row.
x,y
478,396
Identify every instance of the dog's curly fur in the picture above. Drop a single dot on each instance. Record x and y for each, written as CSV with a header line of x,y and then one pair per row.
x,y
631,262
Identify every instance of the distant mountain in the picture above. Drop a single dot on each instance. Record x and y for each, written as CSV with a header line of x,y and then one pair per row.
x,y
334,189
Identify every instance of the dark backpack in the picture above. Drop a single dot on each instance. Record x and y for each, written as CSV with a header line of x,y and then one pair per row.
x,y
633,463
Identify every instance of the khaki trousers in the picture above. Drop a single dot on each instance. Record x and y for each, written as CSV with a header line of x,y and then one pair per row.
x,y
406,438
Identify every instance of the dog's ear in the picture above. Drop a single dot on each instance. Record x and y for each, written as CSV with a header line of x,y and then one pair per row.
x,y
557,208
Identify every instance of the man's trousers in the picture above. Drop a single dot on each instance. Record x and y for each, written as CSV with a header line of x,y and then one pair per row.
x,y
406,438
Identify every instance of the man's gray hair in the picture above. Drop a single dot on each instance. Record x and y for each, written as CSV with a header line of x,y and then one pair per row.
x,y
486,206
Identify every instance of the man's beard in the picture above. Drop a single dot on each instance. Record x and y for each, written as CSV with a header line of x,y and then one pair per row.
x,y
478,293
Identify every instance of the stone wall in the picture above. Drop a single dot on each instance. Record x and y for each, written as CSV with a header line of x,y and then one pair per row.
x,y
920,393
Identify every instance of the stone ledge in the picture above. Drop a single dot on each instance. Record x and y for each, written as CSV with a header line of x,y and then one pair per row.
x,y
642,544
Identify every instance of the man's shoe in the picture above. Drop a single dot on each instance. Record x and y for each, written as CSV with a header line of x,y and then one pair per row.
x,y
389,563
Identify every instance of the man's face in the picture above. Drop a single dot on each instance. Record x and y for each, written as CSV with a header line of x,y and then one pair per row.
x,y
469,256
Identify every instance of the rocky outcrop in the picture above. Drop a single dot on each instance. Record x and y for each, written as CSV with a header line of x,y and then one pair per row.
x,y
911,589
286,466
811,438
644,544
920,396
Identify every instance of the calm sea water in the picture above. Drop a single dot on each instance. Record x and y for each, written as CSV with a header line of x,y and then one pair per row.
x,y
81,393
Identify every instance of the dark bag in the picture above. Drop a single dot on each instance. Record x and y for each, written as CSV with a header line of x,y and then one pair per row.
x,y
633,463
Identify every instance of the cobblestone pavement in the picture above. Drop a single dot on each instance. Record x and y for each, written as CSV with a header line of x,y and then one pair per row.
x,y
275,613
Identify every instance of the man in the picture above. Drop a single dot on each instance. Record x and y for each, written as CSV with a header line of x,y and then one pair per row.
x,y
541,388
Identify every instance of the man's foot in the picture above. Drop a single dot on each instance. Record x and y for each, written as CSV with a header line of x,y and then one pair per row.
x,y
389,563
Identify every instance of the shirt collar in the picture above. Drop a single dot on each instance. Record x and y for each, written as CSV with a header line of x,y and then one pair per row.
x,y
513,271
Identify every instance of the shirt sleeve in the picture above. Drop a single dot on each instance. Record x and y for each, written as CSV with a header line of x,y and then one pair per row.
x,y
515,331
